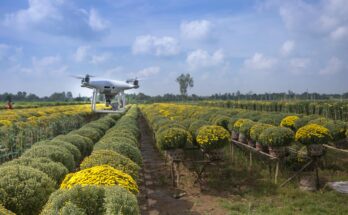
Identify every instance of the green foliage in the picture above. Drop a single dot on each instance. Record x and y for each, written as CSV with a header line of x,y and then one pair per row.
x,y
92,200
173,138
245,128
196,125
55,170
119,201
111,158
27,189
170,124
185,81
239,123
62,144
277,136
127,150
221,120
84,144
54,153
257,129
91,133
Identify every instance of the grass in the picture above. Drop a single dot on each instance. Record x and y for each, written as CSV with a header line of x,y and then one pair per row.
x,y
254,193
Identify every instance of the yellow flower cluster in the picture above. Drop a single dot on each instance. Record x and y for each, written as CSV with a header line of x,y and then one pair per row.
x,y
289,121
101,175
313,134
212,137
239,123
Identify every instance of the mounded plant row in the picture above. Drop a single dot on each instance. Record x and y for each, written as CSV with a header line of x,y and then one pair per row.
x,y
27,182
106,182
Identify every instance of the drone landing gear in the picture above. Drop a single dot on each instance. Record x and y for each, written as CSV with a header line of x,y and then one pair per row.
x,y
115,106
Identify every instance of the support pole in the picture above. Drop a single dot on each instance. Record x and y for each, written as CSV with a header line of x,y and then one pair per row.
x,y
276,172
250,161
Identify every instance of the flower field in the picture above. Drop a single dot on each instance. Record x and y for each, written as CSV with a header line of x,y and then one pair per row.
x,y
21,128
91,170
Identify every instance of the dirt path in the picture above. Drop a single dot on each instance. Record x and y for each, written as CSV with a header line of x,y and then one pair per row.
x,y
156,192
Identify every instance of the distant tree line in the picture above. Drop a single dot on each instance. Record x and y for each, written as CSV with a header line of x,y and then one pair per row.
x,y
30,97
142,98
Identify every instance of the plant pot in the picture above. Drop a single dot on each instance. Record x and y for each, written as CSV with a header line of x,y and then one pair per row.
x,y
307,182
277,151
258,146
251,143
315,150
175,154
242,138
234,135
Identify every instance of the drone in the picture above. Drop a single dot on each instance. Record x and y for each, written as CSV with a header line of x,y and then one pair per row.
x,y
110,89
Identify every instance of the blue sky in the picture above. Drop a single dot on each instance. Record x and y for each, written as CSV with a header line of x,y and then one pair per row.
x,y
226,45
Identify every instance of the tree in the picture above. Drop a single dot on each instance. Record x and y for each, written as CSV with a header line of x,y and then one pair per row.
x,y
185,81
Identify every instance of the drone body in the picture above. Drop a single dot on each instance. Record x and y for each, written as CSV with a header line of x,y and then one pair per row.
x,y
110,88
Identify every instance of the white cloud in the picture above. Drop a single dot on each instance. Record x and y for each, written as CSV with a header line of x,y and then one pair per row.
x,y
101,58
150,71
201,58
95,21
333,66
38,11
299,65
195,29
340,33
288,47
259,62
81,53
45,61
160,46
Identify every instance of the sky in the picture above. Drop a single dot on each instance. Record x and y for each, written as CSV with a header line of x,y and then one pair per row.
x,y
227,45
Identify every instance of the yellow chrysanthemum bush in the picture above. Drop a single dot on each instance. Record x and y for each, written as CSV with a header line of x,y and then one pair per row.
x,y
100,175
212,137
173,138
289,122
257,129
113,159
312,134
96,200
276,136
238,124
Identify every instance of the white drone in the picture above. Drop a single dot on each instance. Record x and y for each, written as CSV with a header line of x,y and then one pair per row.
x,y
111,89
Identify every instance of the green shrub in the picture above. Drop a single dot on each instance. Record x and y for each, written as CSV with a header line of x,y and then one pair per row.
x,y
100,125
196,125
111,158
231,123
119,201
91,133
212,137
89,199
54,153
27,189
84,144
237,125
277,136
221,120
59,143
116,139
129,151
245,128
122,133
170,124
257,129
92,200
304,121
173,138
54,170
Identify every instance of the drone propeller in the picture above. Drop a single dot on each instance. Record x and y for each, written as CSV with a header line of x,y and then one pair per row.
x,y
82,77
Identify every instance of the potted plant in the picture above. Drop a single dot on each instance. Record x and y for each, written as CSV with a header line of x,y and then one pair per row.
x,y
255,132
313,136
289,122
234,133
277,138
236,127
211,139
245,130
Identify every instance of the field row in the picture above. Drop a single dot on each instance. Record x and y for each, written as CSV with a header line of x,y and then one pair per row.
x,y
210,129
105,182
337,110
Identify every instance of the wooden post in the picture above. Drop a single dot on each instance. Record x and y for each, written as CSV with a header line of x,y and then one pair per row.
x,y
276,172
317,183
172,173
270,170
232,152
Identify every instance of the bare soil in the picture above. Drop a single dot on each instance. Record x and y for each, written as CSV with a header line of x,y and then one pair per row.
x,y
157,193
